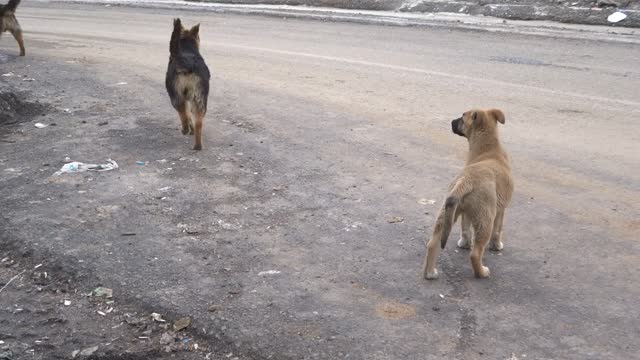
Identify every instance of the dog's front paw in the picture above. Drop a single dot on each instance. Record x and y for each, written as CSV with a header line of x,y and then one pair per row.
x,y
431,275
185,130
484,273
197,147
464,243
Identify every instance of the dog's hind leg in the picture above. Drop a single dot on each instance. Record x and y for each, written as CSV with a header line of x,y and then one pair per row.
x,y
17,34
199,121
429,270
496,236
183,112
482,226
466,236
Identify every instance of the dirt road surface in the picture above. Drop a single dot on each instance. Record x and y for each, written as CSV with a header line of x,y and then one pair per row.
x,y
298,232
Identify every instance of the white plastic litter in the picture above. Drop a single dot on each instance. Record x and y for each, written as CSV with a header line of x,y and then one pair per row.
x,y
9,74
157,317
76,166
616,17
40,125
268,272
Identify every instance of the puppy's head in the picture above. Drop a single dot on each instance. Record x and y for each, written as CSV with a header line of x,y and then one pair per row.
x,y
191,34
477,120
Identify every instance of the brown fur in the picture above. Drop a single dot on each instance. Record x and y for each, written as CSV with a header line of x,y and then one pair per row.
x,y
479,194
8,22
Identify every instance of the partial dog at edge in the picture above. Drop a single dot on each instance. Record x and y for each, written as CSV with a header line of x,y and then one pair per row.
x,y
479,194
187,80
8,22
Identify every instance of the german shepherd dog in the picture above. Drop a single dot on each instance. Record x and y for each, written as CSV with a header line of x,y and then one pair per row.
x,y
8,22
187,80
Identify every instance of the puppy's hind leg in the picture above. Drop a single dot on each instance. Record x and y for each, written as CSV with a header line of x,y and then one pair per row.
x,y
482,230
496,236
466,237
429,270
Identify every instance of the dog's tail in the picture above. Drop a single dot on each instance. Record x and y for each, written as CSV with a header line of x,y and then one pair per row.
x,y
12,5
446,218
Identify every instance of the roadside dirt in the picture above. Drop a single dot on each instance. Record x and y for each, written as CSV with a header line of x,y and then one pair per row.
x,y
47,310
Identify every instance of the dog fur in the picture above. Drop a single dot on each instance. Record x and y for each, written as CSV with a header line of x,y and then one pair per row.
x,y
479,194
187,80
8,22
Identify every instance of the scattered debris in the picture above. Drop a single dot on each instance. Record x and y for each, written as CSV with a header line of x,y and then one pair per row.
x,y
102,292
181,324
268,272
167,338
166,188
442,296
6,355
37,266
89,351
102,313
122,83
103,123
9,74
157,317
67,302
142,163
395,220
28,79
40,125
76,166
426,201
616,17
128,234
10,280
74,353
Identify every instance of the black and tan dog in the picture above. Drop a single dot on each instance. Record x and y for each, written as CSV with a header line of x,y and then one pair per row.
x,y
479,194
187,80
8,22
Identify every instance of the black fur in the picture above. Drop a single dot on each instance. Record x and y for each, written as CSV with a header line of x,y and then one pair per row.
x,y
12,5
185,59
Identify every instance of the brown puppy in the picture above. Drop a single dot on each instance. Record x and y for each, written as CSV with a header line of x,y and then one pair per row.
x,y
8,22
479,194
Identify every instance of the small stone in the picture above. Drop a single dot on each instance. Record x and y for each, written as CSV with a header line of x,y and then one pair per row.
x,y
167,338
181,324
214,308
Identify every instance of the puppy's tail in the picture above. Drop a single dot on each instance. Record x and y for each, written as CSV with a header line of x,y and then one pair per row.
x,y
447,215
12,5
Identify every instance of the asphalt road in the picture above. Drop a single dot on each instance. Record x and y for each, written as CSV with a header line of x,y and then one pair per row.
x,y
318,135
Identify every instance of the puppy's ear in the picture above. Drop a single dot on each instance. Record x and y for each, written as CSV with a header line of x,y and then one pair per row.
x,y
497,114
195,31
474,116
